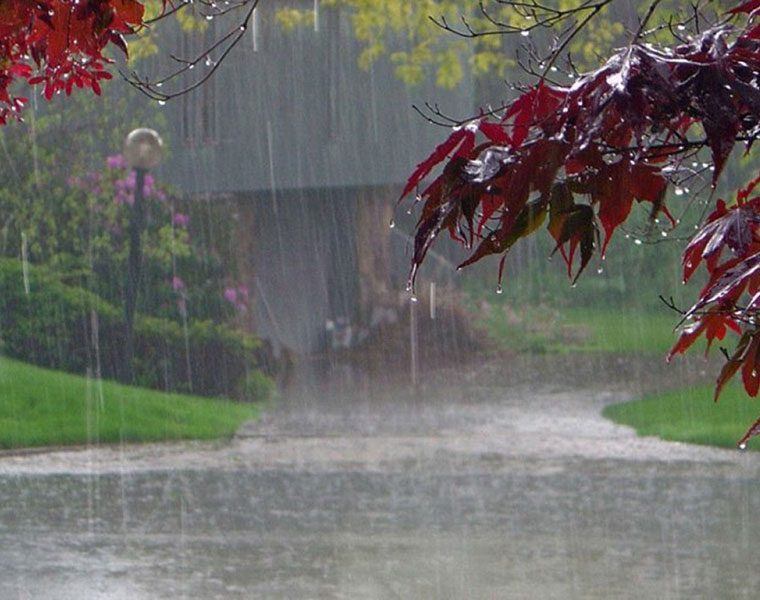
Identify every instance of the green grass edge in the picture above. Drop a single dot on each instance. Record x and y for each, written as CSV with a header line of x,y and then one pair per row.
x,y
690,415
42,407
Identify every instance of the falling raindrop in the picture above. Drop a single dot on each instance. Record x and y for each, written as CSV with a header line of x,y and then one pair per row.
x,y
255,30
638,242
25,262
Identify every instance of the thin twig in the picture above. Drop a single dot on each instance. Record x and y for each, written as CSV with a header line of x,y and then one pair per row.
x,y
644,21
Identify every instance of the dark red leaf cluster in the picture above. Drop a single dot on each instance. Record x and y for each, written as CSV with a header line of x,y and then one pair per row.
x,y
59,44
584,153
728,246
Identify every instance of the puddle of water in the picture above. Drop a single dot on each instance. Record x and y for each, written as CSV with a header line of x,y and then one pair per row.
x,y
492,489
589,530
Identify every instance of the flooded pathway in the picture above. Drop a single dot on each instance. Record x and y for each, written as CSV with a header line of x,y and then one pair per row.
x,y
505,484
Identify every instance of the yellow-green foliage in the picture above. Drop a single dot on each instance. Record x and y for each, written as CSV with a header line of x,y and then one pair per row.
x,y
429,50
143,43
291,18
434,52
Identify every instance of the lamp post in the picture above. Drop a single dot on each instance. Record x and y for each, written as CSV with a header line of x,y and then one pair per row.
x,y
142,151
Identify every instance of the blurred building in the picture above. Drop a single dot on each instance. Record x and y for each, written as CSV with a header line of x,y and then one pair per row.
x,y
297,155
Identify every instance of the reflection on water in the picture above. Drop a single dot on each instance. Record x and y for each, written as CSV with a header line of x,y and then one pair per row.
x,y
583,529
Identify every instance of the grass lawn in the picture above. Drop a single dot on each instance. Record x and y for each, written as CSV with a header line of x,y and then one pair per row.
x,y
40,407
690,415
543,329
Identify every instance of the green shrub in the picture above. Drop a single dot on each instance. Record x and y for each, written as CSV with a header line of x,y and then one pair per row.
x,y
257,387
46,322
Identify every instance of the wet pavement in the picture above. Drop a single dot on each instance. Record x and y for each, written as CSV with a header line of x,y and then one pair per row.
x,y
500,481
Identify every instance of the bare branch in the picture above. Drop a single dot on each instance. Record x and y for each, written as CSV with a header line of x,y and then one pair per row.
x,y
225,43
645,20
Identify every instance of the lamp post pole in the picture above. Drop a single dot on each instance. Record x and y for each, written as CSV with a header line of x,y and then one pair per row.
x,y
142,151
